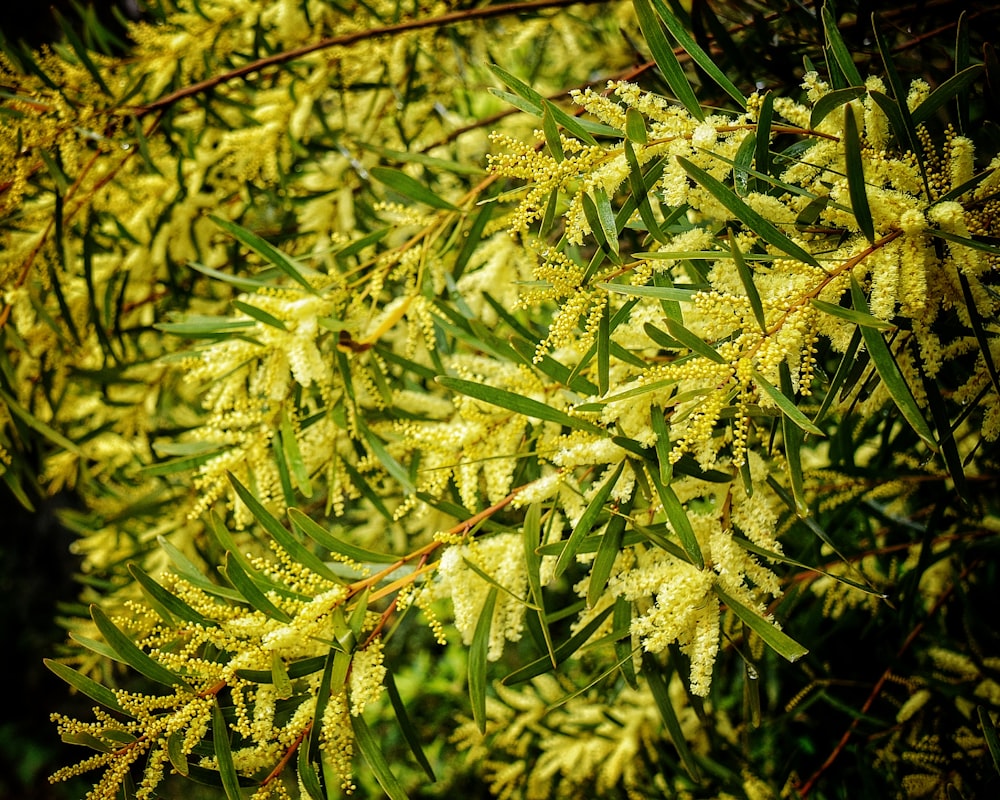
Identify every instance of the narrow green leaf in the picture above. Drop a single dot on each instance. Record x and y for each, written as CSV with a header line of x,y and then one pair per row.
x,y
792,435
478,652
309,527
851,315
698,56
604,350
665,59
129,653
543,665
889,372
833,100
165,601
965,241
787,406
411,188
70,32
635,126
754,221
638,187
661,696
743,163
86,686
762,152
38,426
266,250
621,620
551,130
681,295
606,216
293,455
841,52
260,315
586,522
175,752
224,754
678,520
856,176
777,640
252,594
407,727
693,343
240,282
607,552
746,278
308,776
371,751
516,403
281,535
945,92
990,735
192,574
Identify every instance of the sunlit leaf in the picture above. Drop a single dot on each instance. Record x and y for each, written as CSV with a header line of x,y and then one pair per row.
x,y
777,640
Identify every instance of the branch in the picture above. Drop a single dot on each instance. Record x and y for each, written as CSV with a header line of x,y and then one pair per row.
x,y
345,40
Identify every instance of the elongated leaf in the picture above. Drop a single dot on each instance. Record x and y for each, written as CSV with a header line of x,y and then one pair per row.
x,y
754,221
586,522
297,464
165,600
792,435
889,372
663,55
611,545
308,776
856,176
281,535
266,250
989,729
777,640
638,186
251,593
945,92
851,315
544,664
787,406
192,574
681,295
260,315
129,653
635,126
516,403
661,696
552,140
833,100
841,52
746,278
678,520
224,754
411,188
371,751
762,151
623,645
698,56
38,426
87,686
309,527
175,752
742,164
407,727
478,652
694,343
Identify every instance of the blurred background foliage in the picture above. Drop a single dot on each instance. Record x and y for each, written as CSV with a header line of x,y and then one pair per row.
x,y
765,46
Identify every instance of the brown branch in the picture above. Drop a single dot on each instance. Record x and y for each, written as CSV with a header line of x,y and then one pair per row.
x,y
347,39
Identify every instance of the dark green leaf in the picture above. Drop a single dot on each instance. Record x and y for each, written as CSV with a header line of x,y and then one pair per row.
x,y
266,250
84,685
411,188
945,92
851,315
754,221
678,520
693,342
129,653
375,758
611,545
833,100
787,406
777,640
252,594
224,754
635,126
309,527
407,727
661,696
586,522
166,602
841,52
663,55
746,278
856,176
544,664
260,315
990,735
478,652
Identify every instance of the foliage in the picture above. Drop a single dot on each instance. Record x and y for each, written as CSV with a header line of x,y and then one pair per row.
x,y
631,459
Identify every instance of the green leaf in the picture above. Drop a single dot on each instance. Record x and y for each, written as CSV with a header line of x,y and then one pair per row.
x,y
551,130
84,685
638,187
224,754
371,751
623,646
658,422
407,727
607,552
661,696
856,176
678,520
167,604
698,56
787,406
889,372
663,55
309,527
851,315
478,651
260,315
516,403
604,350
681,295
762,152
175,752
777,640
635,126
990,735
754,221
266,250
693,343
293,456
746,278
308,776
586,522
252,594
38,426
544,664
792,435
841,52
129,653
192,574
288,543
411,188
945,92
833,100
